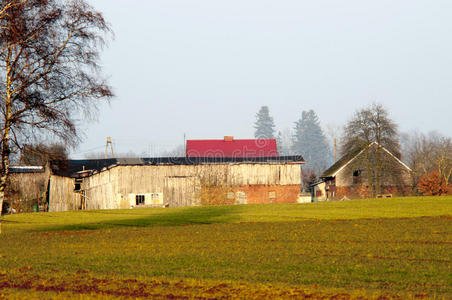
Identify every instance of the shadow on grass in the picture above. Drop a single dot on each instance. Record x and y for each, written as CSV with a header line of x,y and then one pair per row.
x,y
165,217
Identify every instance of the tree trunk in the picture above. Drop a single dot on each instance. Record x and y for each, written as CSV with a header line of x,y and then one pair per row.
x,y
6,133
378,170
369,174
2,196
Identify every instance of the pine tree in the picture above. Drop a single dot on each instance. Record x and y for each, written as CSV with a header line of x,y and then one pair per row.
x,y
311,143
264,125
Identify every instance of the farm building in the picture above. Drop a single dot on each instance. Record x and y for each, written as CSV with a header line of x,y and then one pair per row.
x,y
349,176
26,189
213,172
185,181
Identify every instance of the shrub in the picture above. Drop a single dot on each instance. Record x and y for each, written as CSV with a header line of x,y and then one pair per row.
x,y
432,184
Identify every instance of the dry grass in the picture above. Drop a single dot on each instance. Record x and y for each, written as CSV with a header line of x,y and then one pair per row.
x,y
395,248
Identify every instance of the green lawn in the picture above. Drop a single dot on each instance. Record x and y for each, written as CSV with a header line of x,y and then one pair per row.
x,y
400,246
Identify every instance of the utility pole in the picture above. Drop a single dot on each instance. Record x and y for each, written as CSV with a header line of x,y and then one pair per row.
x,y
185,145
111,148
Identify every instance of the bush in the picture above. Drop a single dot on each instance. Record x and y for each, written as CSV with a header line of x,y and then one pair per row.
x,y
432,184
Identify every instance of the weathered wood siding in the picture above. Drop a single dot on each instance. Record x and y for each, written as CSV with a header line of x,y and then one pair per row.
x,y
25,190
62,196
180,184
101,189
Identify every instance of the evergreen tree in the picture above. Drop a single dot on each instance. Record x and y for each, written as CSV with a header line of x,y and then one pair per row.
x,y
264,125
311,143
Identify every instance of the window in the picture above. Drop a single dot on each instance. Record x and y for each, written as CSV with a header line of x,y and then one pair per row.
x,y
139,199
240,197
78,184
357,177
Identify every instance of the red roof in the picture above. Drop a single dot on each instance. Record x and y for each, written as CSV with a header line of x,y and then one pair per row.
x,y
228,147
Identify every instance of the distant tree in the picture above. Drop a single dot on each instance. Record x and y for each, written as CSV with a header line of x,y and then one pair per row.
x,y
428,154
333,133
264,125
284,142
309,178
432,184
368,125
94,155
279,142
49,74
40,154
310,142
371,124
178,151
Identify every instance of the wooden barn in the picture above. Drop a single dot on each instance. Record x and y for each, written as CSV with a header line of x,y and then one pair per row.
x,y
213,172
183,181
26,189
349,177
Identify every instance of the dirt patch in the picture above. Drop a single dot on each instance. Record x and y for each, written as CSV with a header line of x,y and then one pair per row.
x,y
82,282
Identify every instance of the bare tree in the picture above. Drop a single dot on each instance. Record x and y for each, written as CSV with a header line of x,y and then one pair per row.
x,y
284,141
49,73
369,125
177,151
40,154
333,132
429,153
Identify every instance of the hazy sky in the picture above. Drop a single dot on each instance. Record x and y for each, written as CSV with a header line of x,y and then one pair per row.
x,y
204,68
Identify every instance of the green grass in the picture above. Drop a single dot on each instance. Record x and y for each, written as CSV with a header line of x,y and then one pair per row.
x,y
101,219
400,245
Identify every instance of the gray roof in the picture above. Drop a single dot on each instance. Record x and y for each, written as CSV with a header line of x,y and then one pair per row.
x,y
346,159
26,169
331,171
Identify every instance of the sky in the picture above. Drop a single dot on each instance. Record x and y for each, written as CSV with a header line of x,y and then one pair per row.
x,y
204,67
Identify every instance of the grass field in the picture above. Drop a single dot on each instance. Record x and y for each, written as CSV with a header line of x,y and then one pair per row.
x,y
395,248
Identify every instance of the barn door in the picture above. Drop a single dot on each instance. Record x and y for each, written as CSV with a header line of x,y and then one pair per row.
x,y
181,191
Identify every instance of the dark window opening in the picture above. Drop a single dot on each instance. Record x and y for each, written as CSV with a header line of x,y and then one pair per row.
x,y
357,177
78,184
139,199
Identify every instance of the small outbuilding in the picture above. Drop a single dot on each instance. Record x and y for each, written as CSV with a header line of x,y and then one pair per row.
x,y
351,178
26,189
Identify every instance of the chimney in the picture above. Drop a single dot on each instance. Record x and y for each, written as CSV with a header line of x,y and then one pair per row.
x,y
228,138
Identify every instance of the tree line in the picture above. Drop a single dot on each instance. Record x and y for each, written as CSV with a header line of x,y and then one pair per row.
x,y
428,155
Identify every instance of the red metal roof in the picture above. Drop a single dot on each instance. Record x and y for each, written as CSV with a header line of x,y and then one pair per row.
x,y
229,147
